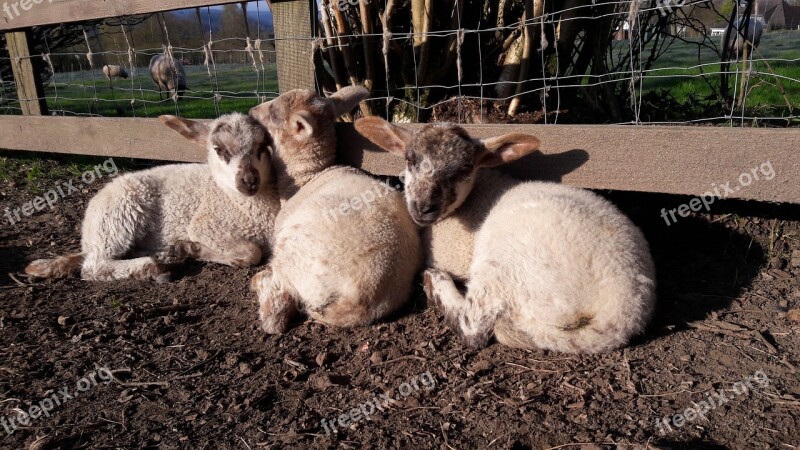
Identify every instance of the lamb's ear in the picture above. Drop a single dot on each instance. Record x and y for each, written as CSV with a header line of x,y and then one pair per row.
x,y
194,131
301,125
504,149
345,99
385,135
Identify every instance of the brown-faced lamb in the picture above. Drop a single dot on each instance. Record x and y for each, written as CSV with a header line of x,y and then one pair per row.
x,y
546,265
345,248
141,224
169,75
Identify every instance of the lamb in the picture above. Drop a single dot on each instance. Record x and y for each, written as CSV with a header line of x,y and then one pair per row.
x,y
345,248
169,75
141,224
114,71
546,265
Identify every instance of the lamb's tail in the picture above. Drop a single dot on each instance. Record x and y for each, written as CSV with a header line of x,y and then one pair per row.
x,y
594,330
61,267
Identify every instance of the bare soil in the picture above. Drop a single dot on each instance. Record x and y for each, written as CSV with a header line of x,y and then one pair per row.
x,y
193,370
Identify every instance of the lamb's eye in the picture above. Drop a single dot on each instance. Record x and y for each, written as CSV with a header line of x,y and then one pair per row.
x,y
222,152
411,159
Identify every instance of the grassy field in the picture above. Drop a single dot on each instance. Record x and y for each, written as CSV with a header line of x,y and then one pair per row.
x,y
678,72
239,86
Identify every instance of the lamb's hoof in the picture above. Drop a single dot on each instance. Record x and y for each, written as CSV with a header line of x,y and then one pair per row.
x,y
163,278
156,271
249,255
276,312
429,277
179,252
259,280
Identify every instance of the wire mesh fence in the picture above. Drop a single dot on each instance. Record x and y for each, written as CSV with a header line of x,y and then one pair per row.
x,y
223,56
577,61
465,61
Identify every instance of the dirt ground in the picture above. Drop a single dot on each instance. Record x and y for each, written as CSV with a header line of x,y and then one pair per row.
x,y
192,370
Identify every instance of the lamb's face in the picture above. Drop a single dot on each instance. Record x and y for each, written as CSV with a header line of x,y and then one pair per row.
x,y
440,172
238,154
442,162
294,118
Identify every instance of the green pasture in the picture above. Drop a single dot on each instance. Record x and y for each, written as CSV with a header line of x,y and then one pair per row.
x,y
773,86
88,92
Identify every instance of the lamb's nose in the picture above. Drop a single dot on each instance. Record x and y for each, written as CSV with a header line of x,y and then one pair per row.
x,y
250,180
426,208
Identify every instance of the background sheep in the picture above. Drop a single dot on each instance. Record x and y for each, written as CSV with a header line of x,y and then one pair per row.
x,y
343,262
546,265
223,211
169,75
114,71
751,35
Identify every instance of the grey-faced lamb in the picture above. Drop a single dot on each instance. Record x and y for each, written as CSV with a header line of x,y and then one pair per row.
x,y
342,259
169,75
142,223
114,71
546,265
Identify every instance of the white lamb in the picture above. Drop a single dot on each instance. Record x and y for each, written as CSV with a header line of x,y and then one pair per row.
x,y
141,223
345,249
546,265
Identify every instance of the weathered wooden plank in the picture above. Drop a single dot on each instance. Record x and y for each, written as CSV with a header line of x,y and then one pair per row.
x,y
27,76
27,13
293,43
117,137
675,160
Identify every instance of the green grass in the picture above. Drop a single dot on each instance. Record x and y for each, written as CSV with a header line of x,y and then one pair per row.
x,y
75,93
674,72
35,173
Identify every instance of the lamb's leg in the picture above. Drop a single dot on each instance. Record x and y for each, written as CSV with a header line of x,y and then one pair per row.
x,y
112,226
276,307
472,319
236,254
106,269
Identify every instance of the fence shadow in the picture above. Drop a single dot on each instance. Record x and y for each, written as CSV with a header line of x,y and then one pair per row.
x,y
547,167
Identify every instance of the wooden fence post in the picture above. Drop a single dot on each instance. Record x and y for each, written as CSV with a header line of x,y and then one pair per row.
x,y
293,44
26,74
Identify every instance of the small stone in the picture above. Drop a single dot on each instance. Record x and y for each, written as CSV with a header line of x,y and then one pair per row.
x,y
480,367
321,358
321,381
376,357
245,368
793,315
780,274
65,320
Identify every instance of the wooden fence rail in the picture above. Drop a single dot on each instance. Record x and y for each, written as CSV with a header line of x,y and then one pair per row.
x,y
678,160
